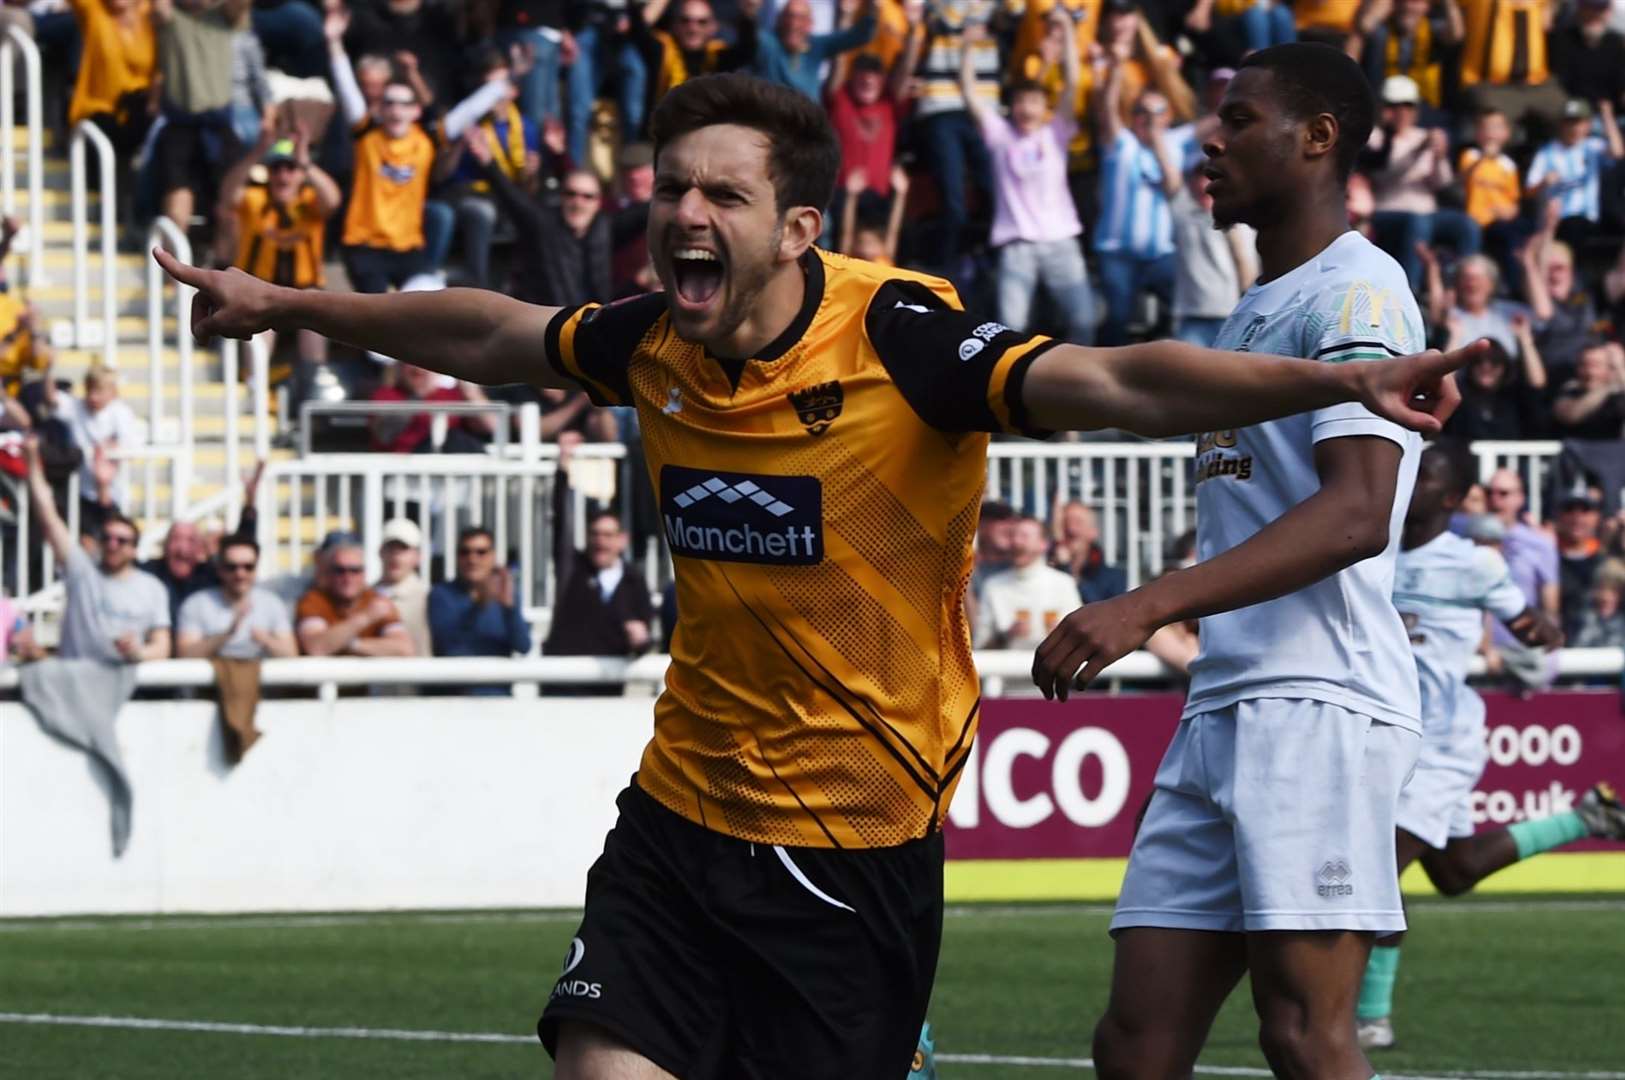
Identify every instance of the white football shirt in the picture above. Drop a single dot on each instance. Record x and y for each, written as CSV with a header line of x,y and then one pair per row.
x,y
1442,590
1340,640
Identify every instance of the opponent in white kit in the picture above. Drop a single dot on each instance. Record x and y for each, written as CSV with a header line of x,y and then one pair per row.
x,y
1268,843
1443,586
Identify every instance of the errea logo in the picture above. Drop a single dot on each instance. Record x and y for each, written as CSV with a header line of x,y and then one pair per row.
x,y
1332,879
979,339
742,517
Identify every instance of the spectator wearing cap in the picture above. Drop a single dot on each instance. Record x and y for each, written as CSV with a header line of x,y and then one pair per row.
x,y
1503,59
1035,224
1592,404
1408,165
1588,57
1410,38
1579,549
235,619
604,53
792,55
280,222
1568,170
475,614
340,616
401,553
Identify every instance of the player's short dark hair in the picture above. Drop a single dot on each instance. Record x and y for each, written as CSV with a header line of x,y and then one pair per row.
x,y
1455,462
803,156
1313,79
237,540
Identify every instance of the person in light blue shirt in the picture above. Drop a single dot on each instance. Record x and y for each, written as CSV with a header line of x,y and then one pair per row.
x,y
1569,169
793,55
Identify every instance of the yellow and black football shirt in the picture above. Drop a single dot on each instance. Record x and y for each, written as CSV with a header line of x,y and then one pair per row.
x,y
819,501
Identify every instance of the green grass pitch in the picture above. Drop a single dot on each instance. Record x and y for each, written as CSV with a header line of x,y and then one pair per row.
x,y
1525,987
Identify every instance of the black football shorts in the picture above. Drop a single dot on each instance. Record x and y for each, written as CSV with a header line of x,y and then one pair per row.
x,y
715,957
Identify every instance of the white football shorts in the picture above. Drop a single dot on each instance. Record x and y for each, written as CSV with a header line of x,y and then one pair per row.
x,y
1272,814
1435,807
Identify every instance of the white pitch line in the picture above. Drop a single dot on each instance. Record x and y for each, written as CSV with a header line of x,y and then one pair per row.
x,y
294,921
285,1031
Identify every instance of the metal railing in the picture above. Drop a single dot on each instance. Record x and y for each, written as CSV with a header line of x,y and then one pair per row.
x,y
15,41
171,237
21,575
439,412
358,492
327,674
107,167
1531,459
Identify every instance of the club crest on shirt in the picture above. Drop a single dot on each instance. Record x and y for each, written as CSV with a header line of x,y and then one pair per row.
x,y
398,174
818,406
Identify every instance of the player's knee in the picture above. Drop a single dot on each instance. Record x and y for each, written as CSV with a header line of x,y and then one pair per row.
x,y
1300,1050
1450,877
1126,1051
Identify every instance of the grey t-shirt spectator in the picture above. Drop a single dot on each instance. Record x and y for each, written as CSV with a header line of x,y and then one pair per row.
x,y
209,613
1205,285
101,609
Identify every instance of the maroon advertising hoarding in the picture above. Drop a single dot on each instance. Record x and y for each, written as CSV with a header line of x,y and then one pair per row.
x,y
1064,781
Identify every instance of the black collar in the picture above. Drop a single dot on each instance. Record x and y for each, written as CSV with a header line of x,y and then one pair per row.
x,y
812,268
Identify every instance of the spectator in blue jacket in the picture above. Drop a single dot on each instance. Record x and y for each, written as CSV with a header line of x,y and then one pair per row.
x,y
793,55
475,614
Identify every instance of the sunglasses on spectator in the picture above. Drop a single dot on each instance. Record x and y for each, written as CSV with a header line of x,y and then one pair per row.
x,y
236,567
590,196
118,539
339,568
467,551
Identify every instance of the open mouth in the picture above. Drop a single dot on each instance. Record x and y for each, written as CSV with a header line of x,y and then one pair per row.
x,y
697,273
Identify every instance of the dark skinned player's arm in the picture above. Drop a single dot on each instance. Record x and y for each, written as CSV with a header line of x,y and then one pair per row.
x,y
1343,523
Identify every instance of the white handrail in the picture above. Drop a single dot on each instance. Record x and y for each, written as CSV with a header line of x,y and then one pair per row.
x,y
15,39
230,354
107,166
261,376
313,671
166,234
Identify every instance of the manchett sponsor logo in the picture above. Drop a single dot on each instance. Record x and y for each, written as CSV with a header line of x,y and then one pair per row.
x,y
742,517
575,954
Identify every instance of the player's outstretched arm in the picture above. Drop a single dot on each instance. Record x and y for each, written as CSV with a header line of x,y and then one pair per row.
x,y
1341,524
483,337
1169,388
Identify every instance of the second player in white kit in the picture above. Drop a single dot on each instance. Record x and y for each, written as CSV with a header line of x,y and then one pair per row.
x,y
1274,807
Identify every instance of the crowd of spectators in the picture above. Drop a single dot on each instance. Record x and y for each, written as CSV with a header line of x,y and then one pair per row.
x,y
1043,154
